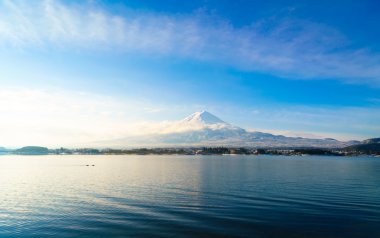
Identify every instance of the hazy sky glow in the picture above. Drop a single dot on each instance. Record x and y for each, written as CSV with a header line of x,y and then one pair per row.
x,y
74,71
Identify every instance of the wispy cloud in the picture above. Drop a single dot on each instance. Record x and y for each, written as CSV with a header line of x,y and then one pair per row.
x,y
64,118
344,123
53,118
69,118
284,47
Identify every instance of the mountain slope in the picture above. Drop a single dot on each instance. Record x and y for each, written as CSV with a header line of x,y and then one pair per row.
x,y
205,129
369,146
371,141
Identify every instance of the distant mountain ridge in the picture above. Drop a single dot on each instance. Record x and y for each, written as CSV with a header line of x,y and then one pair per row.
x,y
205,129
369,146
371,141
32,150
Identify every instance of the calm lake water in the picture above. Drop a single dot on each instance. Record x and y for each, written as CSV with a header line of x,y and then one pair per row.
x,y
189,196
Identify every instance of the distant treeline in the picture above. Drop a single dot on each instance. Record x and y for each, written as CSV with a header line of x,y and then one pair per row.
x,y
367,149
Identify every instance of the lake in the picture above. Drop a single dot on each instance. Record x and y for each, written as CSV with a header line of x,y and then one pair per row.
x,y
189,196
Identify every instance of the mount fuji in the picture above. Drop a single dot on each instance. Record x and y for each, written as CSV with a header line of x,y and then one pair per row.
x,y
205,129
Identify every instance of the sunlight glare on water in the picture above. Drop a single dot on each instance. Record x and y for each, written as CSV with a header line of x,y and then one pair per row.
x,y
189,196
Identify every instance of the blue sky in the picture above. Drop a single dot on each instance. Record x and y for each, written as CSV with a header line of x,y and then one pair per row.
x,y
103,69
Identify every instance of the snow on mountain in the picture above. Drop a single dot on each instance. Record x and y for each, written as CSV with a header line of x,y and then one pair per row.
x,y
203,120
205,129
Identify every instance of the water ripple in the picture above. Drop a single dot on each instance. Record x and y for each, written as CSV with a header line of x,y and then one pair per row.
x,y
162,196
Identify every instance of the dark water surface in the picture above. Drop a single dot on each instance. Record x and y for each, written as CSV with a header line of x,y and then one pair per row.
x,y
188,196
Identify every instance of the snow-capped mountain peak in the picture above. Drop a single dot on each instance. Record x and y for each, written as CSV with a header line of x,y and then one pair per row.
x,y
203,117
203,128
202,120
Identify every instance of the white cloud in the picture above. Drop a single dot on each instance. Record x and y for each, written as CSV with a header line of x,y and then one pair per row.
x,y
176,126
56,118
285,47
65,118
311,135
344,123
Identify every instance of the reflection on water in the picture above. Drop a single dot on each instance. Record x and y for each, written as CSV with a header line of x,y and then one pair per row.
x,y
188,196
